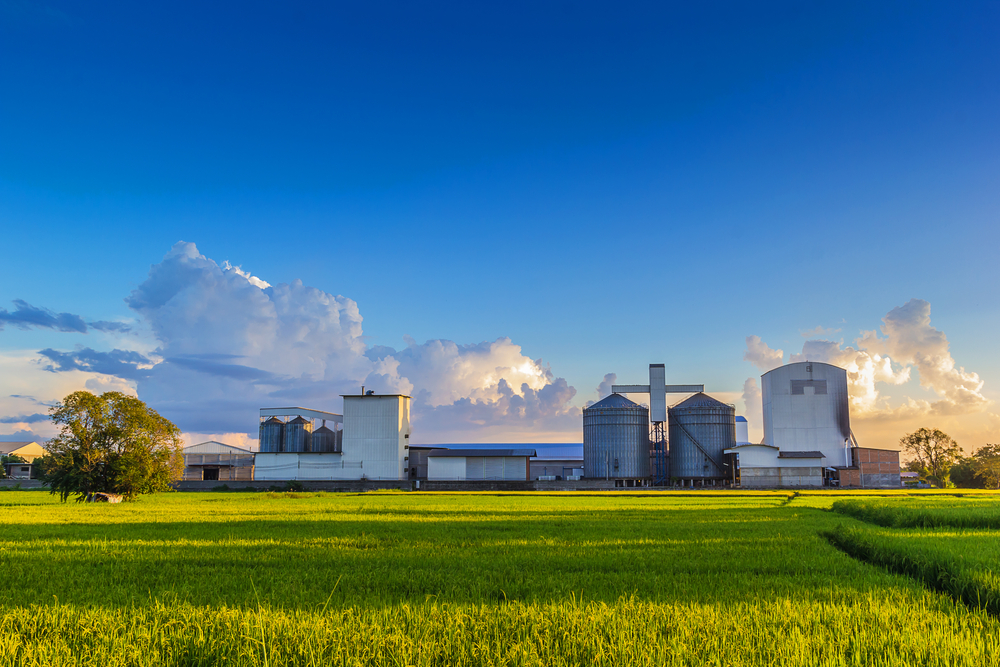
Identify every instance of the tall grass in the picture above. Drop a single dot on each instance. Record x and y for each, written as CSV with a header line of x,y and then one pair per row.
x,y
464,579
951,513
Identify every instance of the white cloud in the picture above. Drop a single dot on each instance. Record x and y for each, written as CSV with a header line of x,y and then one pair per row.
x,y
762,356
228,343
906,345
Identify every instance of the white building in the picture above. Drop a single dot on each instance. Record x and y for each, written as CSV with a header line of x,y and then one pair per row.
x,y
377,434
479,464
374,443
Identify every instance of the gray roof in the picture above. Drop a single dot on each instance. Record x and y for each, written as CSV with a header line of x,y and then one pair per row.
x,y
800,455
613,401
701,400
481,452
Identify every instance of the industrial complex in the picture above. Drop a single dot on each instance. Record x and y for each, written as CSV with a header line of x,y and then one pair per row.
x,y
696,442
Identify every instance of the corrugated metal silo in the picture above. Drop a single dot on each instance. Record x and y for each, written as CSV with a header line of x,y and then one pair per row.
x,y
806,408
272,435
616,439
298,435
326,440
700,429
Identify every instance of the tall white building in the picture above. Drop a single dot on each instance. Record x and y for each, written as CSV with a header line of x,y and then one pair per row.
x,y
377,434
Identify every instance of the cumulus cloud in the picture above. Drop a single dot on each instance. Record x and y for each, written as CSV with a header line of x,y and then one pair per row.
x,y
604,388
760,355
905,344
229,343
753,406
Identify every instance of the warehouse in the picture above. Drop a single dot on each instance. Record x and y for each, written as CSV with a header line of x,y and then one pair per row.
x,y
479,464
211,461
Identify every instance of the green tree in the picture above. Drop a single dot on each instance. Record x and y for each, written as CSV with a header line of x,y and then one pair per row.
x,y
934,452
986,463
963,474
111,443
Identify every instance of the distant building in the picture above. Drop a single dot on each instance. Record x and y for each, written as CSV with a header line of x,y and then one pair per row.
x,y
479,464
217,461
26,450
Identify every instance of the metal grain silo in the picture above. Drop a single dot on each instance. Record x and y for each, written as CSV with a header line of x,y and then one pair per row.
x,y
326,440
616,439
272,435
298,435
700,429
806,408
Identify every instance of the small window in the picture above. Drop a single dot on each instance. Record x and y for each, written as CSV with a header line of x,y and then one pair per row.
x,y
809,368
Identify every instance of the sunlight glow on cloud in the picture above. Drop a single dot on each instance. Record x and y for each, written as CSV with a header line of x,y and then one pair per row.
x,y
229,343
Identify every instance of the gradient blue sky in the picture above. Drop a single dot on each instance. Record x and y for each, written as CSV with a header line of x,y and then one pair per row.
x,y
608,185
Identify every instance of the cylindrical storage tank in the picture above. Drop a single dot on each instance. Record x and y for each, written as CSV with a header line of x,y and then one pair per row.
x,y
298,435
806,408
742,431
616,439
700,429
325,440
272,435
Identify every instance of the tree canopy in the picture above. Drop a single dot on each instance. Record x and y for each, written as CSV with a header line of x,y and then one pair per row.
x,y
112,443
986,463
933,451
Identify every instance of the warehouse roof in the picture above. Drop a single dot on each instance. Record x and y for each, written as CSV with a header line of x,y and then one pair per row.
x,y
481,452
800,455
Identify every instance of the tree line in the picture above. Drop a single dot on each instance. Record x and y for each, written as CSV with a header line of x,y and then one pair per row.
x,y
940,461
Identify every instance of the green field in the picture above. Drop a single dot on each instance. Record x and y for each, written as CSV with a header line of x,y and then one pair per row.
x,y
769,578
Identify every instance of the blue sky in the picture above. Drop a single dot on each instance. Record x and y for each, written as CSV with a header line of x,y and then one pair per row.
x,y
606,186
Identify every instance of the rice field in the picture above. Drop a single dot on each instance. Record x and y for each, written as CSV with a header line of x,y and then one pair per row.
x,y
670,578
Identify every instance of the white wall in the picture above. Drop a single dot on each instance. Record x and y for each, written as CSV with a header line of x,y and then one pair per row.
x,y
376,430
275,466
445,468
808,421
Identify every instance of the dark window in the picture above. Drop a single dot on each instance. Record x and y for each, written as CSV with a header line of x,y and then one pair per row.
x,y
211,474
799,387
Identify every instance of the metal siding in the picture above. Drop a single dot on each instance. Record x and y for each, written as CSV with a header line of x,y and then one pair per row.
x,y
493,467
375,429
810,420
657,393
714,428
446,469
474,468
515,467
616,433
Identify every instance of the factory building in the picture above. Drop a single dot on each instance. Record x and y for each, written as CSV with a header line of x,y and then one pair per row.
x,y
217,461
369,441
479,464
807,435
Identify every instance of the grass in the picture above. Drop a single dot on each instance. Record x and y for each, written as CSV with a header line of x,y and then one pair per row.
x,y
465,579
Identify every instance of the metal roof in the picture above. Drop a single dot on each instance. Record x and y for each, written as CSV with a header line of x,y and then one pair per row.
x,y
8,447
613,401
481,452
740,419
752,444
800,455
803,363
701,400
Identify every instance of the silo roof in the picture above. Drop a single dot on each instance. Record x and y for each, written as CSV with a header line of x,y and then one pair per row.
x,y
701,400
613,401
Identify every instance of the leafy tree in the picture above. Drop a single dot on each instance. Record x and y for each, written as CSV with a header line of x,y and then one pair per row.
x,y
986,463
934,451
111,443
963,474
